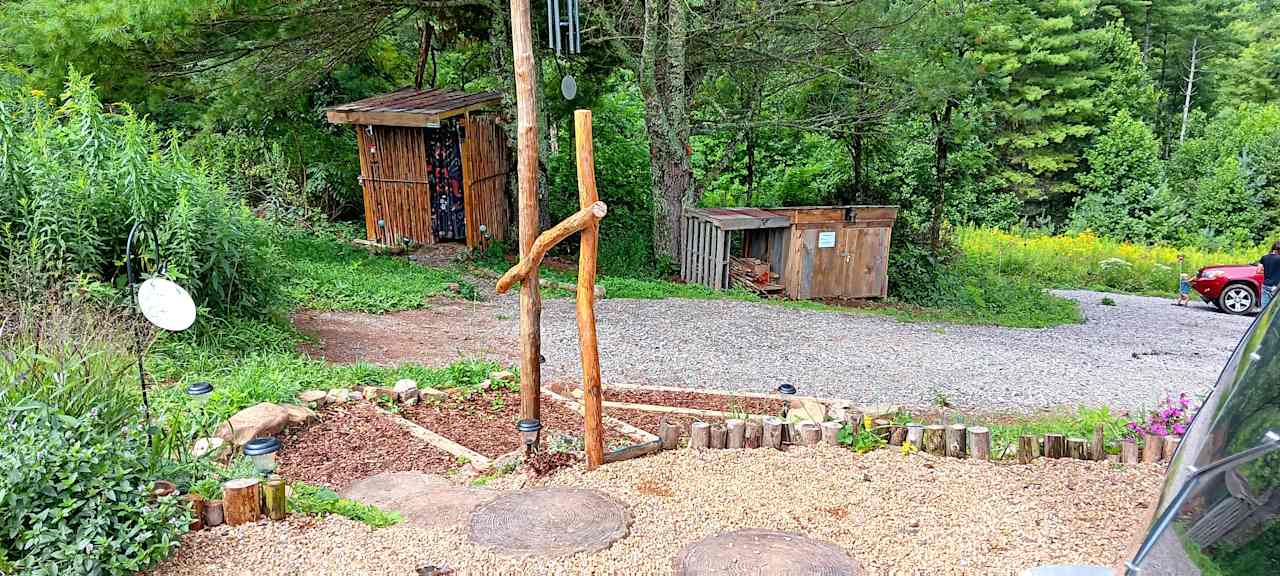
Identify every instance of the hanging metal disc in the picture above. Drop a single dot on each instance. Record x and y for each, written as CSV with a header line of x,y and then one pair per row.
x,y
568,87
166,304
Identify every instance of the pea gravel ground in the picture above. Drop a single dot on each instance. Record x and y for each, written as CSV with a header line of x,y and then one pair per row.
x,y
895,514
1125,355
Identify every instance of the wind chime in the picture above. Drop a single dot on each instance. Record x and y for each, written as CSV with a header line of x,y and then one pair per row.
x,y
565,36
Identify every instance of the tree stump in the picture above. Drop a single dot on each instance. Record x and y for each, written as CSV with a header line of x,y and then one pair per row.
x,y
1170,446
1152,448
956,441
855,420
754,432
979,443
213,513
197,512
1098,445
810,433
772,437
1028,449
274,500
700,435
1129,451
1055,446
935,441
915,435
669,431
718,435
897,435
241,501
881,427
831,432
1076,448
737,431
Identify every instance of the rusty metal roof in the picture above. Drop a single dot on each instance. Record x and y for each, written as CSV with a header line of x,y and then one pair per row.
x,y
740,218
411,107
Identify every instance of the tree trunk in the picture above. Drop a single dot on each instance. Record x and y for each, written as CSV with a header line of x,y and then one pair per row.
x,y
1189,89
662,86
941,147
856,151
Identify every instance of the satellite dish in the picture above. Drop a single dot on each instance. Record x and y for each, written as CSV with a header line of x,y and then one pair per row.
x,y
568,87
166,304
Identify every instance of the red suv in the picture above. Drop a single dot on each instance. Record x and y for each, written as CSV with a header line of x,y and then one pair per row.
x,y
1233,288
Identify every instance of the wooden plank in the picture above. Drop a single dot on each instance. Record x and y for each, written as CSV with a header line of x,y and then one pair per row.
x,y
364,186
631,431
470,204
718,266
404,119
809,239
477,460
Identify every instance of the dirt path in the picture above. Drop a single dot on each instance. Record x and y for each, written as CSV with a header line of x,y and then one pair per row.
x,y
436,336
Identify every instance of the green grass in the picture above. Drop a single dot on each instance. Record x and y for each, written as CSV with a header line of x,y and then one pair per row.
x,y
308,499
1079,423
325,274
1259,557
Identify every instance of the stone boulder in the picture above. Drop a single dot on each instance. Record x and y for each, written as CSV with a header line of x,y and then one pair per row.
x,y
299,415
314,398
406,390
338,395
265,419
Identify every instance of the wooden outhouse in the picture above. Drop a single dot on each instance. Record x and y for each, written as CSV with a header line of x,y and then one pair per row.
x,y
433,166
804,252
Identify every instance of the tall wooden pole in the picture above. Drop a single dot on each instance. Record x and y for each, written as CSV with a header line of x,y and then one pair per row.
x,y
527,171
591,394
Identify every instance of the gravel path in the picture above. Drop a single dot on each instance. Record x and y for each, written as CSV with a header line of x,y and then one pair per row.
x,y
1125,356
896,515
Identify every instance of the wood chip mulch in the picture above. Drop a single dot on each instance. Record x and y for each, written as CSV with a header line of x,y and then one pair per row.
x,y
700,400
351,442
484,420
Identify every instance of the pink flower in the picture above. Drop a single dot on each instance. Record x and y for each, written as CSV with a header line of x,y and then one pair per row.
x,y
1159,430
1179,428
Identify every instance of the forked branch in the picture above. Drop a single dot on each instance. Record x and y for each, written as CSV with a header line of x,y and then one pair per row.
x,y
548,239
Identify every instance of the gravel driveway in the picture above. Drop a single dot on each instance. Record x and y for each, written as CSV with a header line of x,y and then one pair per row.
x,y
1124,356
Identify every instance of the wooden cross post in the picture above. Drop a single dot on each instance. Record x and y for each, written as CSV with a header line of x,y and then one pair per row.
x,y
585,220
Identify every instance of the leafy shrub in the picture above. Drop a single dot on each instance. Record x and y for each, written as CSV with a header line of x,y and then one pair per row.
x,y
308,499
860,441
71,356
74,499
1124,185
75,177
622,181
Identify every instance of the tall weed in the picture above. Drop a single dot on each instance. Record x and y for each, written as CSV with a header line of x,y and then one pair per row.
x,y
76,175
1088,261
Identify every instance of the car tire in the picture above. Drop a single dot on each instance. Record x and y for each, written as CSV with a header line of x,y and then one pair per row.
x,y
1237,299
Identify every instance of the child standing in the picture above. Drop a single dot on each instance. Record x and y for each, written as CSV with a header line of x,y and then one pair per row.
x,y
1184,289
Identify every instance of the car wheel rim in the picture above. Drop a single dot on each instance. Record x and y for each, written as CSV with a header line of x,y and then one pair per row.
x,y
1238,300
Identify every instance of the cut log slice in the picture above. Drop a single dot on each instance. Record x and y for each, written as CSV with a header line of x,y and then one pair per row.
x,y
754,551
550,522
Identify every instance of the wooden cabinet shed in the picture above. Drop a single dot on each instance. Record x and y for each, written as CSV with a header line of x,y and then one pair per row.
x,y
433,166
812,252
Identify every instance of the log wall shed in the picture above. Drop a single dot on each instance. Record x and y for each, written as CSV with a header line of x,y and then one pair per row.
x,y
809,252
433,166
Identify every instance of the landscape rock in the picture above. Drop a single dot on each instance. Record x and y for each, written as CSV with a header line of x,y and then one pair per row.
x,y
314,398
356,396
299,415
406,390
379,393
874,411
428,391
256,421
807,409
338,395
502,376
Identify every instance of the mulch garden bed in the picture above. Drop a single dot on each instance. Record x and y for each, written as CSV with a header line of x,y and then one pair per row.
x,y
651,421
351,442
700,400
484,420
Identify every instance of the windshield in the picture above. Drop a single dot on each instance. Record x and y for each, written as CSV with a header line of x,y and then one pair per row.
x,y
1224,523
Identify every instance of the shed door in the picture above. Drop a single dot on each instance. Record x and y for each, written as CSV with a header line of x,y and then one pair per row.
x,y
866,266
444,156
